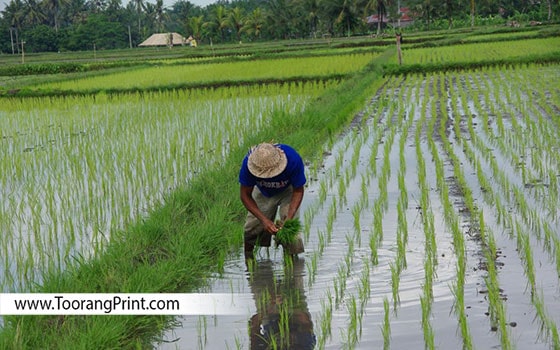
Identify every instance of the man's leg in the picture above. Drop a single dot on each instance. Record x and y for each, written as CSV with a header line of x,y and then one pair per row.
x,y
254,230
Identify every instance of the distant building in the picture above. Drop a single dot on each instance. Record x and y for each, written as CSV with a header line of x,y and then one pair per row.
x,y
405,19
164,39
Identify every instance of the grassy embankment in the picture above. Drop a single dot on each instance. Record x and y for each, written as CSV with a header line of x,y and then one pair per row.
x,y
181,241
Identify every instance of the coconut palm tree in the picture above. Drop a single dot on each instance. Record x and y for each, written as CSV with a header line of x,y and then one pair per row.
x,y
53,8
341,13
310,9
195,26
254,23
32,13
14,14
472,13
236,19
96,5
160,15
139,8
218,22
281,17
380,8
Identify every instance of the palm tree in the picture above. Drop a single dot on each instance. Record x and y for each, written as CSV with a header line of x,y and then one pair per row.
x,y
310,9
32,14
341,13
472,13
236,20
14,14
381,11
218,22
160,15
254,23
53,7
139,7
281,18
97,5
195,26
156,15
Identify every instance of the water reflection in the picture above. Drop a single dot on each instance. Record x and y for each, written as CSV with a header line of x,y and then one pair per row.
x,y
282,320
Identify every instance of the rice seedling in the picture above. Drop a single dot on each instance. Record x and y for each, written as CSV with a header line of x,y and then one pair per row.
x,y
326,320
284,325
356,213
331,217
340,285
202,331
312,268
395,280
386,328
342,185
373,243
288,232
322,242
354,330
429,342
364,288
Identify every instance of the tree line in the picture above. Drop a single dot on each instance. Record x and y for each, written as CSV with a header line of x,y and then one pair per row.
x,y
72,25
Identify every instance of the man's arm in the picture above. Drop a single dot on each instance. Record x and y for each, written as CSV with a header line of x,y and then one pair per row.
x,y
251,205
297,197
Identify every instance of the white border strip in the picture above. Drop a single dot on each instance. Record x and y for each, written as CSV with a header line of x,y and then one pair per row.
x,y
125,304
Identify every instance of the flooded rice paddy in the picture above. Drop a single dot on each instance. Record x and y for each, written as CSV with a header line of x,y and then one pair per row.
x,y
432,222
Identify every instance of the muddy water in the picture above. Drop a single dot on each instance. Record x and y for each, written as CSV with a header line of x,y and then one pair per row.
x,y
229,332
317,288
336,295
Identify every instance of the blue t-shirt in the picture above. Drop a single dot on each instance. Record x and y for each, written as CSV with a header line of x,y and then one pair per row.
x,y
293,175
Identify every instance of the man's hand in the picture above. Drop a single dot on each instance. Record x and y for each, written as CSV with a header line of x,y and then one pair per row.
x,y
270,226
251,205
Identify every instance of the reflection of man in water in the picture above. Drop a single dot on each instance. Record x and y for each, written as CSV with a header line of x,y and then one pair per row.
x,y
282,320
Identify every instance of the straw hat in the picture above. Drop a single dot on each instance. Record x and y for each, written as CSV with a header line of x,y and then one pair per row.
x,y
266,160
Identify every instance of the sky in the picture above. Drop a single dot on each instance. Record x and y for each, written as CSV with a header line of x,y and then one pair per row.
x,y
167,3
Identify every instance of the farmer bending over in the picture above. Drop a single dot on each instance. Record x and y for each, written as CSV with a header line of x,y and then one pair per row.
x,y
272,178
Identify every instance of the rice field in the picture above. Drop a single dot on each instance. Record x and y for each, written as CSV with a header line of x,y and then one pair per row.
x,y
166,75
76,169
433,220
469,52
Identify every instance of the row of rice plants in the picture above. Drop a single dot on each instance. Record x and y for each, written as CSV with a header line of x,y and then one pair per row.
x,y
535,190
501,36
78,168
335,297
430,259
379,207
477,224
446,106
451,218
531,226
219,72
518,200
537,176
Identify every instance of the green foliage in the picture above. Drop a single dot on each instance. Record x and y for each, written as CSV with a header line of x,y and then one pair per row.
x,y
288,232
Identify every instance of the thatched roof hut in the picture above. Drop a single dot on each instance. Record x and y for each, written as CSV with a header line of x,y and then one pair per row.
x,y
165,39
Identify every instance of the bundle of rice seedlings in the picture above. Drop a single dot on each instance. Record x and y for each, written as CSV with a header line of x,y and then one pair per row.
x,y
287,234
